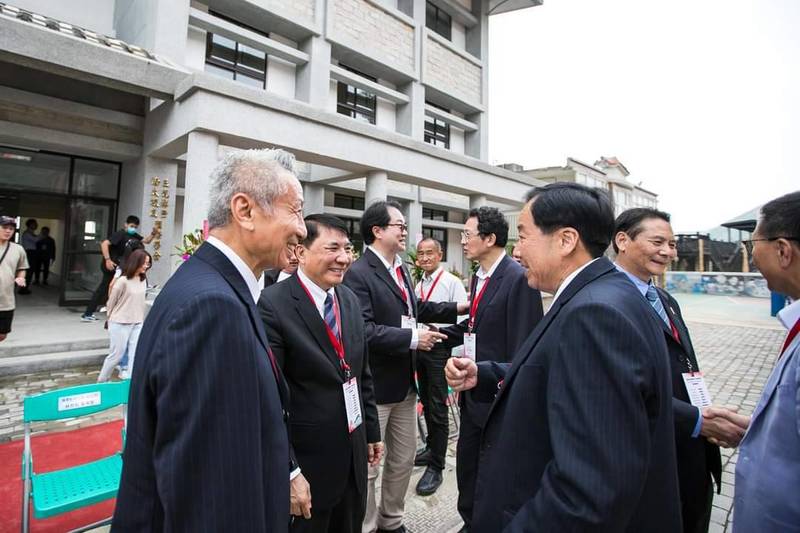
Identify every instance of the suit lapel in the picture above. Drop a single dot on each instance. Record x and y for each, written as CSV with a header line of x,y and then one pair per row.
x,y
310,314
772,382
491,290
680,327
381,271
599,268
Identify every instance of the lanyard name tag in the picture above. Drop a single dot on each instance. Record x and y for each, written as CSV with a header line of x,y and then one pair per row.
x,y
352,404
697,389
470,345
408,322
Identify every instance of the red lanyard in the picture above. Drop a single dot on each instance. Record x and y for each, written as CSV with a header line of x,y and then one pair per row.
x,y
273,363
433,286
790,337
401,283
335,341
473,309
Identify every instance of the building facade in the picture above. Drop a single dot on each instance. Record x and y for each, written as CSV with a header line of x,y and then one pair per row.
x,y
117,107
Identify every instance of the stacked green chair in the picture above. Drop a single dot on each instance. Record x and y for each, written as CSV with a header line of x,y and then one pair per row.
x,y
60,491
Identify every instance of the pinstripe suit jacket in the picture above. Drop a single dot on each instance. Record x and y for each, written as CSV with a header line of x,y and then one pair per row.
x,y
207,447
580,436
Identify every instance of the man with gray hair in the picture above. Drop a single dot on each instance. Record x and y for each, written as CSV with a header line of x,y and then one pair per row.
x,y
207,446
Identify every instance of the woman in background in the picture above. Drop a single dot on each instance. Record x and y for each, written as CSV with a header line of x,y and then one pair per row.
x,y
126,305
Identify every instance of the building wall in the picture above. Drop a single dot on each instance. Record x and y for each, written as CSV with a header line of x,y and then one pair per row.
x,y
302,10
95,15
451,72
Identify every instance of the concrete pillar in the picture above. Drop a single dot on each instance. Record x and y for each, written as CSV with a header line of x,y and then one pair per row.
x,y
414,219
312,81
410,117
159,26
377,186
476,143
477,200
314,198
201,158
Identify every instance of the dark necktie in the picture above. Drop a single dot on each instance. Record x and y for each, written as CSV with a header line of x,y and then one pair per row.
x,y
655,301
330,315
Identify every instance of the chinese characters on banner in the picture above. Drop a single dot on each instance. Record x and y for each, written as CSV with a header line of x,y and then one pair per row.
x,y
159,207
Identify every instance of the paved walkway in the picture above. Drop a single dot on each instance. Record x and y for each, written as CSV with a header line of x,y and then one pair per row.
x,y
736,359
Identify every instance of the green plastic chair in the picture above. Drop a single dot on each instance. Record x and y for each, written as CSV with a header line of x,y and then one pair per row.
x,y
58,492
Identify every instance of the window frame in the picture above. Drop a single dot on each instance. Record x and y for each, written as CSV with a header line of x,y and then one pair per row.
x,y
237,68
440,23
352,109
439,132
347,201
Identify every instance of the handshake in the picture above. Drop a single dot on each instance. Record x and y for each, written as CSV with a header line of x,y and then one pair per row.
x,y
723,426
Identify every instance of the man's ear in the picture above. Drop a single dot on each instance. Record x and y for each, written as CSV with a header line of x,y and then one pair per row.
x,y
787,253
568,240
300,253
622,240
242,211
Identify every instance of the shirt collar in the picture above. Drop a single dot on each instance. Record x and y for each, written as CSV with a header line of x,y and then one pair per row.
x,y
397,261
790,314
427,278
317,293
241,266
569,279
481,274
641,285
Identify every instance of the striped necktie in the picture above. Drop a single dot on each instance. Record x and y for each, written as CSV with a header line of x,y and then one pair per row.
x,y
655,301
330,315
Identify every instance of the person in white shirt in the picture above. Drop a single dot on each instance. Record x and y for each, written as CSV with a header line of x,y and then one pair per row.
x,y
437,285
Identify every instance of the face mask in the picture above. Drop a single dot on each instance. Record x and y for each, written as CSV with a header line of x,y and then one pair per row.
x,y
130,230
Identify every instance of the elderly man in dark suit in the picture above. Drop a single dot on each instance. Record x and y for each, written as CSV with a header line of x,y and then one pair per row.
x,y
645,246
315,329
503,313
580,434
391,314
207,446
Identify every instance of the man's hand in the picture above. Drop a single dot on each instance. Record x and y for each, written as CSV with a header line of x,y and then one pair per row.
x,y
374,453
110,265
461,373
723,426
20,281
463,309
300,497
428,338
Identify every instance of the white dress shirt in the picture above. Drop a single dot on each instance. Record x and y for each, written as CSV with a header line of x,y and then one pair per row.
x,y
483,276
392,268
318,294
448,289
568,280
247,274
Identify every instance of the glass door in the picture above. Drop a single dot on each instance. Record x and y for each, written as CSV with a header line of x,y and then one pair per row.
x,y
89,222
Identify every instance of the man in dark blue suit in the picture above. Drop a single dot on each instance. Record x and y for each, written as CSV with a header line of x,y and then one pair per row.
x,y
503,313
207,446
580,434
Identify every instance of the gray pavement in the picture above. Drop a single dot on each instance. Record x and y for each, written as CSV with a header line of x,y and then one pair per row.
x,y
736,343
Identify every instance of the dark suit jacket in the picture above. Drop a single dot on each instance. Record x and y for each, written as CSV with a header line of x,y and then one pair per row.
x,y
580,436
271,277
207,448
323,447
697,458
382,308
506,315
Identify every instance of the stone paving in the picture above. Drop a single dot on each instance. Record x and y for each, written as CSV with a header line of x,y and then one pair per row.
x,y
736,360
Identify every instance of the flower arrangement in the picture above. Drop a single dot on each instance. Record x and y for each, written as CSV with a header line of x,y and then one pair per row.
x,y
191,242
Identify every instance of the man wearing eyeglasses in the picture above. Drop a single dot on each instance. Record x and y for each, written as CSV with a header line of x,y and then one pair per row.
x,y
645,246
768,469
391,313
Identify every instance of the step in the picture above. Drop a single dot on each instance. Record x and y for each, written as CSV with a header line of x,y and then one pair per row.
x,y
75,345
28,364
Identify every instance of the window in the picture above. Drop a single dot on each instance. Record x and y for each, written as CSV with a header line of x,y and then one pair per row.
x,y
438,20
345,201
354,232
229,59
436,233
437,132
354,102
434,214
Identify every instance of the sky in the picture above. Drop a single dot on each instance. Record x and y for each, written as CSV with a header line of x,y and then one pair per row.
x,y
699,99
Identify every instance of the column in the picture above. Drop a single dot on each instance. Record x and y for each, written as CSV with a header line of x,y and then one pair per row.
x,y
477,200
314,198
476,143
312,81
377,186
410,117
414,220
201,158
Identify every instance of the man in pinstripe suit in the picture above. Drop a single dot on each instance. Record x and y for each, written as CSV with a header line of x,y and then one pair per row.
x,y
207,446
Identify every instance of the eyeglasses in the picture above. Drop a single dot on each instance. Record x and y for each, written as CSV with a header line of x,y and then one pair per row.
x,y
748,244
465,235
403,227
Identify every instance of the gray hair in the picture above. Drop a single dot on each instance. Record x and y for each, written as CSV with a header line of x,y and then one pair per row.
x,y
258,173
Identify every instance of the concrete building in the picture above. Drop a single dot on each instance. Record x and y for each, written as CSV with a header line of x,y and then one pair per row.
x,y
117,107
607,173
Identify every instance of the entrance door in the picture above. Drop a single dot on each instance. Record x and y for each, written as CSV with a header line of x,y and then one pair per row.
x,y
89,222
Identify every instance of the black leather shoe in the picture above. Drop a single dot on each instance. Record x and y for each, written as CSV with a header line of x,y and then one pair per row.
x,y
429,482
401,529
422,458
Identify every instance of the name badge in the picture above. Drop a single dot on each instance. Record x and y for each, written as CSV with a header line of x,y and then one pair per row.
x,y
408,322
470,345
352,405
697,389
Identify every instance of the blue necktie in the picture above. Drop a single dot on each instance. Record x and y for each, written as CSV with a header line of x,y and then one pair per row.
x,y
330,316
655,301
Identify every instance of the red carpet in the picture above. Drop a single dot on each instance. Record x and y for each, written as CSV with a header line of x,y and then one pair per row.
x,y
54,451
